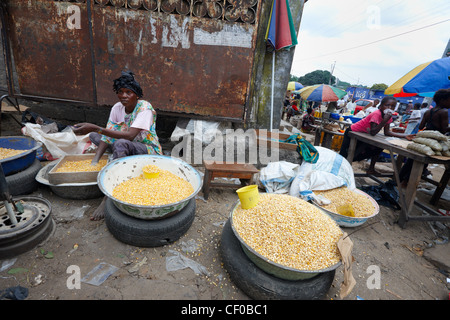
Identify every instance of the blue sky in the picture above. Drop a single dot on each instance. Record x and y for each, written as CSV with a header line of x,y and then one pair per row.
x,y
370,41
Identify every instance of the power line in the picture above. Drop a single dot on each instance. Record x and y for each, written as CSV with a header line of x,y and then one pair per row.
x,y
376,41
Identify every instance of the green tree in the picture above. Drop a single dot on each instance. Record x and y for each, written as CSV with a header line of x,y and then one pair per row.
x,y
379,86
317,77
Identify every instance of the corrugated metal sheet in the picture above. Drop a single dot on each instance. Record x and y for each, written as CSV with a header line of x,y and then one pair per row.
x,y
190,57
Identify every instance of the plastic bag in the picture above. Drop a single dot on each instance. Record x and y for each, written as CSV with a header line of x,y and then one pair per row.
x,y
58,144
99,274
329,172
277,176
178,262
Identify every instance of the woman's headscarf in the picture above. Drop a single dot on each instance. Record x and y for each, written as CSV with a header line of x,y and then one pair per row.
x,y
126,80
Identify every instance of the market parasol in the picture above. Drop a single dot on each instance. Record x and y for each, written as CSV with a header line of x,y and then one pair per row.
x,y
280,35
294,86
424,80
321,93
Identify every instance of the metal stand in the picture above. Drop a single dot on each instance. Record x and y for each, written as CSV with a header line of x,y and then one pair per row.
x,y
10,206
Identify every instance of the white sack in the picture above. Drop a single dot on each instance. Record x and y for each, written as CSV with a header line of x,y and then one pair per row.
x,y
329,172
277,176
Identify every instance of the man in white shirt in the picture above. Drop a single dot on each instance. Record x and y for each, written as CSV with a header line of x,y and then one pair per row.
x,y
373,108
414,120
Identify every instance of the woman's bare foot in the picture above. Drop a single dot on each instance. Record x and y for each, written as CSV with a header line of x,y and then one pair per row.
x,y
99,213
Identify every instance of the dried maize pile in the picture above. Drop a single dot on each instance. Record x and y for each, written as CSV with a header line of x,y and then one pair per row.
x,y
164,189
81,166
430,143
339,197
289,231
7,152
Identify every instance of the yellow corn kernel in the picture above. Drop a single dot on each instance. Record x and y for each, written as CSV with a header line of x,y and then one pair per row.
x,y
361,205
7,152
164,189
289,231
81,166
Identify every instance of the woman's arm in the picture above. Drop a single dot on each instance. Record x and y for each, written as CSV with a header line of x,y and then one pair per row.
x,y
85,128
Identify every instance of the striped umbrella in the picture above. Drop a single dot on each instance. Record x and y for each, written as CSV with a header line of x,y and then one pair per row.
x,y
280,35
321,93
294,86
424,80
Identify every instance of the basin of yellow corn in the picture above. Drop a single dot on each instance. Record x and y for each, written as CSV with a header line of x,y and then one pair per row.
x,y
288,233
349,208
122,180
81,166
343,198
163,189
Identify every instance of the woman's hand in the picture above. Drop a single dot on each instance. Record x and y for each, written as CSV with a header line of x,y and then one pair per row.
x,y
85,128
410,136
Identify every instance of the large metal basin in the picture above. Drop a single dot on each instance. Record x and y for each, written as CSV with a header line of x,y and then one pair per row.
x,y
126,168
273,268
20,161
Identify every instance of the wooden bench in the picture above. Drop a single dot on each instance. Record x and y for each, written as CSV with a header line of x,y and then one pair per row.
x,y
241,171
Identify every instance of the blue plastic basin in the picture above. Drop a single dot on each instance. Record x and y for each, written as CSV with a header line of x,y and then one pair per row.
x,y
20,161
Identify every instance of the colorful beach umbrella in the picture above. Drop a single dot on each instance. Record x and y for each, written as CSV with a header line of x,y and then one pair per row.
x,y
321,93
294,86
280,35
424,80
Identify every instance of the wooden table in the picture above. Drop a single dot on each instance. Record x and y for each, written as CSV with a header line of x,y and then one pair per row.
x,y
406,197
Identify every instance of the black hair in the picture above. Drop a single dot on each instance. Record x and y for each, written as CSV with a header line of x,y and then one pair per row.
x,y
441,94
309,110
126,80
386,99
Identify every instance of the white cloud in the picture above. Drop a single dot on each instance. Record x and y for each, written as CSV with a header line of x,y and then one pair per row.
x,y
343,30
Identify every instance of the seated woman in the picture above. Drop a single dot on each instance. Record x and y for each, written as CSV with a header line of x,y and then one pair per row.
x,y
308,121
372,124
131,128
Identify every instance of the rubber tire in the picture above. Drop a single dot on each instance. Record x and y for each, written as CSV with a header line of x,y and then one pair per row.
x,y
23,242
24,182
259,285
148,233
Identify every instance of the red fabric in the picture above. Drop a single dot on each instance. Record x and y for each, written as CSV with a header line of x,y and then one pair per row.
x,y
283,31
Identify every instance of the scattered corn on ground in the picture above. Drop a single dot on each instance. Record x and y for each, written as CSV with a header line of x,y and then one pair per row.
x,y
289,231
164,189
362,206
81,166
7,152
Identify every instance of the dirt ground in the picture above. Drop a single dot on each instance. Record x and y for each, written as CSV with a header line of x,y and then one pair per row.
x,y
413,262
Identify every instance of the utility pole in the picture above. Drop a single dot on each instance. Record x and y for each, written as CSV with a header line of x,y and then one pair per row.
x,y
331,74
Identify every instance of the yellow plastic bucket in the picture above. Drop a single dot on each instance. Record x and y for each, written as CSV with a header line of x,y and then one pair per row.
x,y
150,171
249,196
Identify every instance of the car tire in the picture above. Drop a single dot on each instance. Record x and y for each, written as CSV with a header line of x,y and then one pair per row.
x,y
24,182
148,233
17,241
259,285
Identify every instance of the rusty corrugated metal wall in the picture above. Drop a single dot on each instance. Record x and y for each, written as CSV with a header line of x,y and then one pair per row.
x,y
191,57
